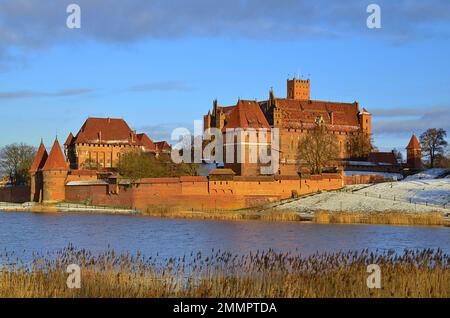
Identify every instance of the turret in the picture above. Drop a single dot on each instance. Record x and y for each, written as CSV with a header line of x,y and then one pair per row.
x,y
365,121
54,175
36,173
298,89
414,154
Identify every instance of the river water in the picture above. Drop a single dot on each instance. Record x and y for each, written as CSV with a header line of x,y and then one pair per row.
x,y
25,233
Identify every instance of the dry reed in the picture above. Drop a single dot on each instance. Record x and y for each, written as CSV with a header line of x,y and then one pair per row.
x,y
422,273
389,218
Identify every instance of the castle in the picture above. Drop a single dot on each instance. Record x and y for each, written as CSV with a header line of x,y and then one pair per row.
x,y
84,171
101,142
294,116
89,155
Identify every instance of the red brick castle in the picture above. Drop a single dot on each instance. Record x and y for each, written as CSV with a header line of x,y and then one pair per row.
x,y
294,116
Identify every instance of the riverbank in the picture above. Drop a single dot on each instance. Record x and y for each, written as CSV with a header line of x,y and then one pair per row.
x,y
422,273
64,208
322,217
271,213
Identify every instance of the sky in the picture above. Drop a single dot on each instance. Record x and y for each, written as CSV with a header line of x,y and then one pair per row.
x,y
160,63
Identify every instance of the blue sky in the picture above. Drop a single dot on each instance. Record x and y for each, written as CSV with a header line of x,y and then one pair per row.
x,y
159,64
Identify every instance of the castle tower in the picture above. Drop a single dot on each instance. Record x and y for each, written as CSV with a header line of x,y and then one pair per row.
x,y
36,173
54,175
365,121
207,121
298,89
414,154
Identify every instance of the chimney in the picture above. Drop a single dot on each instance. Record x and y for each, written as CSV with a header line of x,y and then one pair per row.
x,y
100,136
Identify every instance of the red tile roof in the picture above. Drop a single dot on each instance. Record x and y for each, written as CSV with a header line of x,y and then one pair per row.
x,y
39,159
296,113
162,146
146,142
246,114
69,140
55,160
106,130
383,157
413,143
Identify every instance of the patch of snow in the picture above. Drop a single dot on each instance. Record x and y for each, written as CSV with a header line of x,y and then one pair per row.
x,y
408,196
82,183
387,175
361,163
428,174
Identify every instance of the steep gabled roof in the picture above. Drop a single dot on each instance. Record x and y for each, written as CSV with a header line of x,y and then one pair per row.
x,y
39,159
162,146
55,160
413,143
383,157
69,140
146,142
106,130
246,114
296,112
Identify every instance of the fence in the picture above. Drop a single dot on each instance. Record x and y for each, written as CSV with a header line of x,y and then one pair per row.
x,y
396,198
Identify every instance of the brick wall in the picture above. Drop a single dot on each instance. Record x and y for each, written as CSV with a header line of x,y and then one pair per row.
x,y
363,179
200,193
15,194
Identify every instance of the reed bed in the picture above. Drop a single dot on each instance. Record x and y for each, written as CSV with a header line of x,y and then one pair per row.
x,y
323,217
388,218
421,273
268,215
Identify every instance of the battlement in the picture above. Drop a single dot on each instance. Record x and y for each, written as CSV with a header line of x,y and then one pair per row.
x,y
298,89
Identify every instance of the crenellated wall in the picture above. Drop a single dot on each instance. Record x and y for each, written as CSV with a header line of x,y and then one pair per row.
x,y
199,192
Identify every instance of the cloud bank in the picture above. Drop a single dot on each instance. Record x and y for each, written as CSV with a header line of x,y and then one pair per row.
x,y
36,24
403,121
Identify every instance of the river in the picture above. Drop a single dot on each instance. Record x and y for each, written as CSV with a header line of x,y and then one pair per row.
x,y
25,233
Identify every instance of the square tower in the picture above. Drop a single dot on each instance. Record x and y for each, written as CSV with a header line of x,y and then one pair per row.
x,y
298,89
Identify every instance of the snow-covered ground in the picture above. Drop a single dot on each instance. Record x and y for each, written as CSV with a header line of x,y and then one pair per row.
x,y
386,175
410,195
428,174
348,202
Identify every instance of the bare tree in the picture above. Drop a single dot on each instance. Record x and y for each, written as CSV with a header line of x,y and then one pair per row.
x,y
359,146
398,155
318,148
433,143
15,162
136,165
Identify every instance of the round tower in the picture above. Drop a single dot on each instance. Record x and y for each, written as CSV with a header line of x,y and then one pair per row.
x,y
54,175
414,154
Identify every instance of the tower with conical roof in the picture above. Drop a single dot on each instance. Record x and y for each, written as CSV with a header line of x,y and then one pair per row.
x,y
36,173
414,154
54,174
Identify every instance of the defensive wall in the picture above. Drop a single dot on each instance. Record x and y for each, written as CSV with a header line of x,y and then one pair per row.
x,y
197,192
19,194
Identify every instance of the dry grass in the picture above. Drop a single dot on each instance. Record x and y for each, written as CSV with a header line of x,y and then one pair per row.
x,y
389,218
221,274
272,215
323,217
